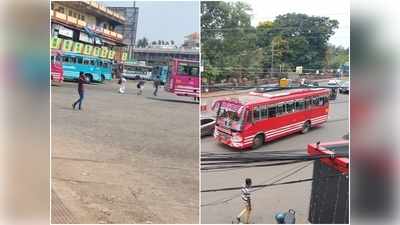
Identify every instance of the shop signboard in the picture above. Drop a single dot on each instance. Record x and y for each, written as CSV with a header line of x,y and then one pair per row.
x,y
96,51
55,42
78,47
67,45
124,56
104,52
87,50
111,54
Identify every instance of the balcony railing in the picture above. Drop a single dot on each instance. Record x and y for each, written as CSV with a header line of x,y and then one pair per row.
x,y
105,10
81,24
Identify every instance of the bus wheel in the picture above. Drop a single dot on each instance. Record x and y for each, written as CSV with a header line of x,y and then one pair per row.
x,y
258,141
306,127
89,78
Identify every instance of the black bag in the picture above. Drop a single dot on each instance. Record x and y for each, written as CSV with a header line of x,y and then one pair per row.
x,y
120,81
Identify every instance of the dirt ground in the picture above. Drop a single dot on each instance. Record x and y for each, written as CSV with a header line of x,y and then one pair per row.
x,y
124,158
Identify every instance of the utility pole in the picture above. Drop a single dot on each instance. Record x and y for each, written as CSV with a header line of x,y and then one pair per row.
x,y
272,56
131,34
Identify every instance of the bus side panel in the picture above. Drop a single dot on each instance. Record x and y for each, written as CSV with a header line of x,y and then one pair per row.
x,y
71,72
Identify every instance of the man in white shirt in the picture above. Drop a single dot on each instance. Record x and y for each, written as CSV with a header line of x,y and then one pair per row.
x,y
246,198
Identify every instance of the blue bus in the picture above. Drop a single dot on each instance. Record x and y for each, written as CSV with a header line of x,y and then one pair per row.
x,y
161,71
95,69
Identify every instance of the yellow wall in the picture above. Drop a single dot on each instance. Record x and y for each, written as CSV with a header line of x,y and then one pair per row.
x,y
91,20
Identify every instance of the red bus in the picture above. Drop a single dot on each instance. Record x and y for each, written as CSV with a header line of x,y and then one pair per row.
x,y
57,74
256,118
183,78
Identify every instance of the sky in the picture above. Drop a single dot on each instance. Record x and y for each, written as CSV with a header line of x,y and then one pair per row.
x,y
168,20
337,9
165,20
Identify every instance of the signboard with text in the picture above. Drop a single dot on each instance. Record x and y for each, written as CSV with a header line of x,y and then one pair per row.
x,y
124,56
78,47
67,45
111,54
87,50
55,42
96,51
104,52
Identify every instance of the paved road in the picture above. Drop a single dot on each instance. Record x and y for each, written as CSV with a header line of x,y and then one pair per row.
x,y
270,200
124,158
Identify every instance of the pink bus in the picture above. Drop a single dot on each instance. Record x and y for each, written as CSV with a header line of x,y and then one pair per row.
x,y
57,74
183,78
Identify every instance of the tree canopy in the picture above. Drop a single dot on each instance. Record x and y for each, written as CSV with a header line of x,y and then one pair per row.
x,y
231,46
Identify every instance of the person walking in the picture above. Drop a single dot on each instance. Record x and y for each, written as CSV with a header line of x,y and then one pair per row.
x,y
81,91
156,83
246,198
140,87
122,83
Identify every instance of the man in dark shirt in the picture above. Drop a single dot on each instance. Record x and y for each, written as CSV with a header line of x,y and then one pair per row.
x,y
140,87
156,84
81,90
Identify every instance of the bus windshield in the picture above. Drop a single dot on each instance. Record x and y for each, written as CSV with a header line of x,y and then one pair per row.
x,y
188,69
229,114
229,118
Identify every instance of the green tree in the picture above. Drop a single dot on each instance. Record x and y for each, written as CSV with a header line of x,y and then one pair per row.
x,y
228,39
336,56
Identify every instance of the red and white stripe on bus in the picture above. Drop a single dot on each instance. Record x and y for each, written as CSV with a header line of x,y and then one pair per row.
x,y
254,119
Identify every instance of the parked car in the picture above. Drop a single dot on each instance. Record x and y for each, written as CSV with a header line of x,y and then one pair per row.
x,y
207,125
333,82
267,88
344,88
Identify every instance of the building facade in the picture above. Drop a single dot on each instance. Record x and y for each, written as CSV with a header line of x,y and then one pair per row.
x,y
88,22
161,56
129,28
192,41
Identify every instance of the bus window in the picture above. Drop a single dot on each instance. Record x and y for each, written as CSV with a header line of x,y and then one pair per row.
x,y
92,62
52,59
248,118
256,114
186,69
290,107
79,61
315,101
271,111
105,64
299,105
280,109
264,112
326,100
58,58
73,59
66,59
86,62
100,63
194,71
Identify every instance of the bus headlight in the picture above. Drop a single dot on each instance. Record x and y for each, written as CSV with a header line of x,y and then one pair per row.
x,y
236,138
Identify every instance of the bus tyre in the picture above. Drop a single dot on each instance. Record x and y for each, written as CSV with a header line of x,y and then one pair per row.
x,y
89,78
258,141
306,127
